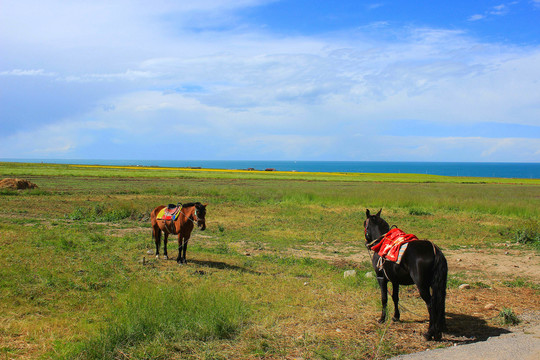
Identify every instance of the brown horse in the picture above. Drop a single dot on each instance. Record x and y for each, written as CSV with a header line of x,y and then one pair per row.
x,y
177,221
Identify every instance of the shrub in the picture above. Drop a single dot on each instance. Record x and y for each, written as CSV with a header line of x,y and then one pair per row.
x,y
77,214
525,236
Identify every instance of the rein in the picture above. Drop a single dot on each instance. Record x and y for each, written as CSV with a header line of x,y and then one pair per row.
x,y
189,218
375,242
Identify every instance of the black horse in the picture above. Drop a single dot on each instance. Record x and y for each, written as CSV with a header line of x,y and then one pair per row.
x,y
423,264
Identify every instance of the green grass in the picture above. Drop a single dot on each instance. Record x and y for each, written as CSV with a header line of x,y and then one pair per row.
x,y
264,280
34,169
148,320
101,212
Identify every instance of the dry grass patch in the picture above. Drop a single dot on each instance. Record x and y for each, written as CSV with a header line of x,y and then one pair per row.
x,y
17,184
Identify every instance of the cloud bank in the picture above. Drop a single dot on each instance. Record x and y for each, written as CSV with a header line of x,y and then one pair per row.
x,y
126,80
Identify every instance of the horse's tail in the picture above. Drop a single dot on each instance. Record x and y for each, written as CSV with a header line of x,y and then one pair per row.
x,y
438,286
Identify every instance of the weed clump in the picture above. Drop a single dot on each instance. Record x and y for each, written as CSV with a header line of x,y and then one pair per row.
x,y
419,212
529,234
507,317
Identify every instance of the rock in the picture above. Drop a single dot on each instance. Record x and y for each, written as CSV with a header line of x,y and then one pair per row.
x,y
458,260
369,275
464,286
489,306
349,273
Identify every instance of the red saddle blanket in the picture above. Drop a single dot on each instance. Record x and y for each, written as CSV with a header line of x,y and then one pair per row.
x,y
393,245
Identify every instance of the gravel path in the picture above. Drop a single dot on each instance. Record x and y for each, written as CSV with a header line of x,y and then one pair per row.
x,y
523,343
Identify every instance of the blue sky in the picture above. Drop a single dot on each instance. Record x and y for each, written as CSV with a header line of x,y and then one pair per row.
x,y
270,80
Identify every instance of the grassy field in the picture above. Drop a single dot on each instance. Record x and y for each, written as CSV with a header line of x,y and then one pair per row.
x,y
78,279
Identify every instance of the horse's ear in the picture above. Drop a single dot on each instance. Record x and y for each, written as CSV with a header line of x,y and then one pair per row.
x,y
205,205
379,213
368,214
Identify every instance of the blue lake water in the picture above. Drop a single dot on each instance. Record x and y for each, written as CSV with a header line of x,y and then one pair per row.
x,y
474,169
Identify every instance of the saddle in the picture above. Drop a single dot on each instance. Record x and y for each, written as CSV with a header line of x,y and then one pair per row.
x,y
393,245
171,212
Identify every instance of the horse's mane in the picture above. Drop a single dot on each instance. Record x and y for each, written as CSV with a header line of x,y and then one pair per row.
x,y
385,227
191,204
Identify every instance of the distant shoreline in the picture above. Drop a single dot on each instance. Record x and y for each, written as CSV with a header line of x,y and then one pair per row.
x,y
454,169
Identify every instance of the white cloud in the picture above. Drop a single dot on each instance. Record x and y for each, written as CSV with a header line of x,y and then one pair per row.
x,y
251,92
459,149
497,10
27,72
477,17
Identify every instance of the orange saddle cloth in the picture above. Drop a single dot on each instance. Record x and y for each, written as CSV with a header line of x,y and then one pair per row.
x,y
393,245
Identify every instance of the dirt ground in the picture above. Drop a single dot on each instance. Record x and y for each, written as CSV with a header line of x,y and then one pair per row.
x,y
490,265
499,278
502,264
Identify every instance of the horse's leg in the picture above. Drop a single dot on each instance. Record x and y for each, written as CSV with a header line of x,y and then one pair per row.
x,y
395,298
156,232
383,284
426,296
186,240
179,259
438,298
165,239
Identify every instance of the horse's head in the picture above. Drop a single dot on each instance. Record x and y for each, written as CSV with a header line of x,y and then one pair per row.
x,y
200,215
374,226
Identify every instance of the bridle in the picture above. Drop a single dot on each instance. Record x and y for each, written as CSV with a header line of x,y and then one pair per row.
x,y
370,244
374,242
196,214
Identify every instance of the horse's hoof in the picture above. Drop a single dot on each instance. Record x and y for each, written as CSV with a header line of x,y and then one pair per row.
x,y
381,320
429,336
157,256
395,319
165,257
